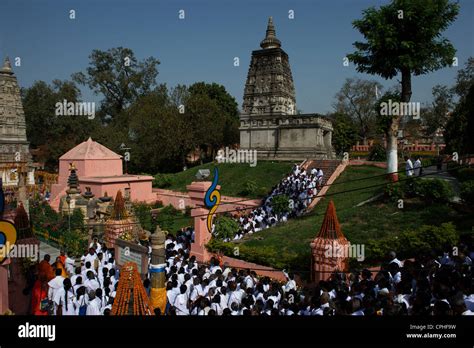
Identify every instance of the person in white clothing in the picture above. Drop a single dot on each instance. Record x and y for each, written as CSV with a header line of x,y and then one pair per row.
x,y
55,284
417,167
64,299
291,284
94,305
408,166
181,301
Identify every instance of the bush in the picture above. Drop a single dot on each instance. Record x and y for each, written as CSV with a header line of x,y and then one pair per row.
x,y
226,227
265,256
377,153
434,190
467,192
280,204
250,188
395,191
464,174
413,243
162,181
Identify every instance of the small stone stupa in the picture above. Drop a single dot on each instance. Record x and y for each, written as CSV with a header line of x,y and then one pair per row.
x,y
120,224
329,248
73,199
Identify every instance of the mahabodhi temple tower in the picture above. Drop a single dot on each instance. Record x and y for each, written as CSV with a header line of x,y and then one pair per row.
x,y
269,122
15,158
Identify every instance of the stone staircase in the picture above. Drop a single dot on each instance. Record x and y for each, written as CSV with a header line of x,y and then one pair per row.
x,y
331,170
328,167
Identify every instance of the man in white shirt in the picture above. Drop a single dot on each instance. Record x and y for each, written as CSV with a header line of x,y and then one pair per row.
x,y
55,284
90,257
291,284
417,167
181,301
91,283
408,166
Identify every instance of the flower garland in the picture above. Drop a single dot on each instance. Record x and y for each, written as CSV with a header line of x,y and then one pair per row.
x,y
130,291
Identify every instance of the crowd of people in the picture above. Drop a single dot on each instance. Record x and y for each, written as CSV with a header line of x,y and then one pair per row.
x,y
299,186
63,289
426,285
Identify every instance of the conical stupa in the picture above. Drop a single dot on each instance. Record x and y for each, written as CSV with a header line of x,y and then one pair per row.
x,y
329,248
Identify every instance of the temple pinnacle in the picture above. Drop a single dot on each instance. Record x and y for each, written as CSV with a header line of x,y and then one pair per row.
x,y
270,40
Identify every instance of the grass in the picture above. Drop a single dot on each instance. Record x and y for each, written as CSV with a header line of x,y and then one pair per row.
x,y
233,177
359,224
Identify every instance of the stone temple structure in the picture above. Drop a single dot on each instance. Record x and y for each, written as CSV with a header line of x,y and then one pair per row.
x,y
15,157
269,122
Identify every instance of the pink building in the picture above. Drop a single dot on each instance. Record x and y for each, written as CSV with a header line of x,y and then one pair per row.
x,y
100,169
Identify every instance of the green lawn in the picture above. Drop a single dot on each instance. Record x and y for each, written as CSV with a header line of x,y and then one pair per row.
x,y
233,177
359,224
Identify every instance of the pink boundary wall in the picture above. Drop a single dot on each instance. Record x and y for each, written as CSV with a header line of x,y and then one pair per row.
x,y
197,191
416,147
181,200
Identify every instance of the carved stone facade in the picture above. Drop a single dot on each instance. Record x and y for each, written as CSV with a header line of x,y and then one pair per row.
x,y
15,157
269,122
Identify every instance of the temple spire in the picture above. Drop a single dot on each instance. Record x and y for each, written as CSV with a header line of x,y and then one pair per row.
x,y
270,40
7,67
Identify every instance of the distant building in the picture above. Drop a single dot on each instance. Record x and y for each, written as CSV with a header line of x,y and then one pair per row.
x,y
15,157
269,122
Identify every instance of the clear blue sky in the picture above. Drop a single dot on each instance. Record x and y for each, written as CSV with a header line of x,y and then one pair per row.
x,y
203,45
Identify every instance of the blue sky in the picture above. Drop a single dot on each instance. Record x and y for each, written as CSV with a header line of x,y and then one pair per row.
x,y
203,45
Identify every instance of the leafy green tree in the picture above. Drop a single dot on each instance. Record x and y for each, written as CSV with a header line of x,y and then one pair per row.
x,y
464,79
228,110
344,135
460,127
225,227
218,93
54,134
120,77
436,116
404,38
280,204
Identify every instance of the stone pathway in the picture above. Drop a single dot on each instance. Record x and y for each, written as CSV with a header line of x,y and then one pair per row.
x,y
48,249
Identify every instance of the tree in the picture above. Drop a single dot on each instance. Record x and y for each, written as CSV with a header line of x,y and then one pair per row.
x,y
227,108
119,77
404,37
357,99
344,135
153,118
464,79
437,114
460,127
280,204
53,134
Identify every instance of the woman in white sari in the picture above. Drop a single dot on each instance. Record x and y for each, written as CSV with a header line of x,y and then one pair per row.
x,y
64,299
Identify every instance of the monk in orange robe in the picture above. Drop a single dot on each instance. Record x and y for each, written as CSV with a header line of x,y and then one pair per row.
x,y
59,265
39,295
44,269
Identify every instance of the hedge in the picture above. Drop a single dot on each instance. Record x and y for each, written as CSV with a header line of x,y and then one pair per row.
x,y
411,243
